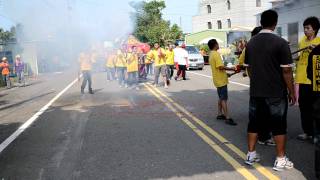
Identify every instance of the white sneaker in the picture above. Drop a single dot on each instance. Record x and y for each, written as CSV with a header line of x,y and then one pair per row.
x,y
251,159
281,164
304,137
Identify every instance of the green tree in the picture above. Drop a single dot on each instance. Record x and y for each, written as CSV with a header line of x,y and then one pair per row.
x,y
6,36
150,26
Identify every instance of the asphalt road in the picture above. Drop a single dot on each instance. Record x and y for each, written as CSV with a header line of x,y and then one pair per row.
x,y
153,133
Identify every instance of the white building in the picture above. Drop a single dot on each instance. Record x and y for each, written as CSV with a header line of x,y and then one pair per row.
x,y
292,14
226,14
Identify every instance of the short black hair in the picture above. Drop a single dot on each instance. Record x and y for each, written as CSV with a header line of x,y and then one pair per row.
x,y
212,43
256,31
269,18
176,44
313,22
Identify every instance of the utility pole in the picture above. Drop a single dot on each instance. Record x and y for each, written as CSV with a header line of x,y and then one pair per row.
x,y
180,19
69,29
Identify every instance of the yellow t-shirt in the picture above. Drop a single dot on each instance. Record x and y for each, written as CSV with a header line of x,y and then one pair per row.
x,y
242,57
149,58
219,77
86,62
301,72
121,60
170,57
158,60
111,61
132,62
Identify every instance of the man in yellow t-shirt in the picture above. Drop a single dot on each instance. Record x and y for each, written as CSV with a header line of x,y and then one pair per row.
x,y
149,63
86,60
311,27
121,66
159,57
111,66
220,81
132,68
170,61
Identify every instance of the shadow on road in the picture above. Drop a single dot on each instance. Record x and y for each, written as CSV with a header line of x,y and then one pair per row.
x,y
22,102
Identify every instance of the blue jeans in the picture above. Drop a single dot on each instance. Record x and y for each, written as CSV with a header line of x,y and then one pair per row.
x,y
149,69
6,79
133,79
122,75
86,78
111,73
20,76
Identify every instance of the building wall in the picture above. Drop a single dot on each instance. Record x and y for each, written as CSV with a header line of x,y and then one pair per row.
x,y
294,11
297,12
242,13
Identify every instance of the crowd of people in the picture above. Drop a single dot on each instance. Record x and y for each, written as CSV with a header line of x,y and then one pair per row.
x,y
17,69
267,60
131,65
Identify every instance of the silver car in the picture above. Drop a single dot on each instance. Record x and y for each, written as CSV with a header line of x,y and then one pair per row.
x,y
196,60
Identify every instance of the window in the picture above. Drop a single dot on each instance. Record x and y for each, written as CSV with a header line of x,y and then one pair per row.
x,y
258,3
229,4
209,25
229,23
219,24
293,35
209,9
279,31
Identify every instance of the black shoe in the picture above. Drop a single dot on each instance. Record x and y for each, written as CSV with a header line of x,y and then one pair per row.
x,y
221,117
91,91
82,91
231,122
176,78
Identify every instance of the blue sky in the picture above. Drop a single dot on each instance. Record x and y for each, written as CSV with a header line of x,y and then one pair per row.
x,y
181,8
176,9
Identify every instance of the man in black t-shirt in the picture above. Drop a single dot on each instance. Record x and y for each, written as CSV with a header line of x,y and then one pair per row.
x,y
269,62
313,72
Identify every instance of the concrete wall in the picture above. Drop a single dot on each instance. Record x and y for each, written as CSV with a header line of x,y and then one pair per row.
x,y
297,12
241,14
294,11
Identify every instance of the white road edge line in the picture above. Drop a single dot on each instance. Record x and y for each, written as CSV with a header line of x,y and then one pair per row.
x,y
232,82
27,124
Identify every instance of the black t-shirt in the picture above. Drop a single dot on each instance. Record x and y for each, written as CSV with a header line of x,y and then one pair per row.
x,y
266,54
313,69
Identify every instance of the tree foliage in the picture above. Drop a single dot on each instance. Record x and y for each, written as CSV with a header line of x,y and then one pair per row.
x,y
6,36
150,26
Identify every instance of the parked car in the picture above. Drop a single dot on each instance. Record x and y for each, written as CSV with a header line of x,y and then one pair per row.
x,y
196,60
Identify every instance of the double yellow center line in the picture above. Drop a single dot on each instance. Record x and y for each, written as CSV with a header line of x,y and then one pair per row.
x,y
184,114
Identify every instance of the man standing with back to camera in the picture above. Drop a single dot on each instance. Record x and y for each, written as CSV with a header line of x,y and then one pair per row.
x,y
269,62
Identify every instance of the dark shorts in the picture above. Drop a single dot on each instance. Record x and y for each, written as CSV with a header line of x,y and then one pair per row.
x,y
223,93
268,113
316,118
